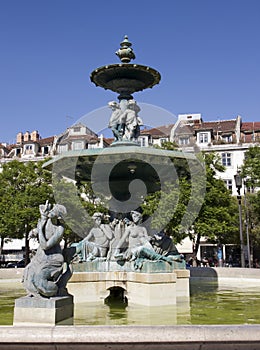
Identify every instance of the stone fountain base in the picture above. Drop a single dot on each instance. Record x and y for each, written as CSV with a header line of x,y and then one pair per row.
x,y
156,285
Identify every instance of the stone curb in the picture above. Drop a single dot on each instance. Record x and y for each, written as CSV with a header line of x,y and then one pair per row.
x,y
130,334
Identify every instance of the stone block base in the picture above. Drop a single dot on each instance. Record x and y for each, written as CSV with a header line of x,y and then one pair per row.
x,y
43,311
150,289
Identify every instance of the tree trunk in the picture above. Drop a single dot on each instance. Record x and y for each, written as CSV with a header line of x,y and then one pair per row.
x,y
195,250
2,257
1,245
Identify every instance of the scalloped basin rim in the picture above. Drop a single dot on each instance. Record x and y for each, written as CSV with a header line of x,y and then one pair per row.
x,y
120,150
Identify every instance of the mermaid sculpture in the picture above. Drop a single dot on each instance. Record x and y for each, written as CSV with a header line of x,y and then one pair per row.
x,y
44,276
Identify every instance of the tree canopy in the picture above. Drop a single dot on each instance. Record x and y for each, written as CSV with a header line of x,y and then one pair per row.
x,y
251,166
23,187
251,172
217,218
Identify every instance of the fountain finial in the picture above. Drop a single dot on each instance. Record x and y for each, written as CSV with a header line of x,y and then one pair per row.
x,y
125,53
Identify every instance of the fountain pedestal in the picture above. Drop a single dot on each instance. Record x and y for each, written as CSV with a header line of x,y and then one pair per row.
x,y
154,286
43,311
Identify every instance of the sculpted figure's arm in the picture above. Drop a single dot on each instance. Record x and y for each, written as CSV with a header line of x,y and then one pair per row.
x,y
107,231
123,239
54,239
144,236
89,236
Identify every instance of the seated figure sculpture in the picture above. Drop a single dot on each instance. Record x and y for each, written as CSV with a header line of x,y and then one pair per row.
x,y
135,245
134,237
118,227
125,240
164,245
44,276
96,243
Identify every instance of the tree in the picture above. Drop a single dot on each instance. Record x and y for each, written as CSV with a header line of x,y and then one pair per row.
x,y
251,206
217,218
251,172
23,187
251,166
80,203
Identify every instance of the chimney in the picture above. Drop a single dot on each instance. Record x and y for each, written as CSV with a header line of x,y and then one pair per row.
x,y
26,136
35,135
19,138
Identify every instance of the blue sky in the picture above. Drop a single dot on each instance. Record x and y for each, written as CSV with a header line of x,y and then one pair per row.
x,y
208,54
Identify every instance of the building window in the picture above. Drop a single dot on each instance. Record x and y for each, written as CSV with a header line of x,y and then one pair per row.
x,y
184,141
63,148
226,159
28,149
163,140
142,141
203,137
76,129
228,183
77,146
227,138
45,150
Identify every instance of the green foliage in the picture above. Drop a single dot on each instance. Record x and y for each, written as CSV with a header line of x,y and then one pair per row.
x,y
170,146
23,187
251,206
251,171
217,220
79,208
168,207
173,208
251,166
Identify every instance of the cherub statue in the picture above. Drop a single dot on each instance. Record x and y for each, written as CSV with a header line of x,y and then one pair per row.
x,y
115,123
125,124
131,121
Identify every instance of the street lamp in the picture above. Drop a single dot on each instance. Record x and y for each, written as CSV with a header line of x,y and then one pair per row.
x,y
247,226
238,181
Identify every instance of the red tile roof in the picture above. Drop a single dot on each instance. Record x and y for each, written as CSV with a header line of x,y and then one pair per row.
x,y
218,126
46,141
109,140
250,126
159,131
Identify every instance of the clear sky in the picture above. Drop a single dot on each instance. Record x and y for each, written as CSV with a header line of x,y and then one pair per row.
x,y
207,51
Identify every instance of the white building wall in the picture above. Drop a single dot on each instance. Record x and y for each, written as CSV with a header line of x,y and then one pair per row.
x,y
237,158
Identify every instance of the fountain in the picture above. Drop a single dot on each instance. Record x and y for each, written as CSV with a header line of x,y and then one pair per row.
x,y
114,172
121,255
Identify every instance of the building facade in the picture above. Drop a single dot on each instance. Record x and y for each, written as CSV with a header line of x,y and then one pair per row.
x,y
229,139
30,146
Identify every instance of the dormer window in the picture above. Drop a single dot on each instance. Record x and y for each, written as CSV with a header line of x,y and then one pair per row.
x,y
227,138
204,137
184,140
76,129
